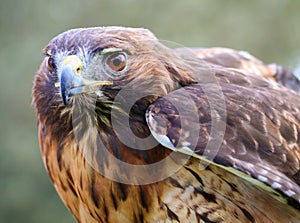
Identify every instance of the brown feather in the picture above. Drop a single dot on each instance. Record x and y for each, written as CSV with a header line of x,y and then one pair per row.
x,y
262,129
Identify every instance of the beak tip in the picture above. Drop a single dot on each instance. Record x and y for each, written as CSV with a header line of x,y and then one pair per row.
x,y
66,100
65,97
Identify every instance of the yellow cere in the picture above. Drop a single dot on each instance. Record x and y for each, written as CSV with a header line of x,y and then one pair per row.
x,y
75,62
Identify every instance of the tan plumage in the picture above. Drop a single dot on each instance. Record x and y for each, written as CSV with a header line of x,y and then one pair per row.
x,y
254,175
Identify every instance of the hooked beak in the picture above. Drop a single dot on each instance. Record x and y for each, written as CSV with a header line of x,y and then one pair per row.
x,y
71,81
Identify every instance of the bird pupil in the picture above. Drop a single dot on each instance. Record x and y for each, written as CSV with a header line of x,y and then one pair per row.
x,y
116,62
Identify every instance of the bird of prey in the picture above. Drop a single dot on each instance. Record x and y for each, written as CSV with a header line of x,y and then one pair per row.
x,y
132,130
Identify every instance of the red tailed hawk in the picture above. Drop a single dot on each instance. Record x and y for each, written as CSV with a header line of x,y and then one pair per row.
x,y
131,130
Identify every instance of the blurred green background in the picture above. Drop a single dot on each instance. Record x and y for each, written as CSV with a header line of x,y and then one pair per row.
x,y
268,29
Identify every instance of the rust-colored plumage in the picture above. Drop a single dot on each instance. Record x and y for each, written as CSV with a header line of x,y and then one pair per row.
x,y
106,169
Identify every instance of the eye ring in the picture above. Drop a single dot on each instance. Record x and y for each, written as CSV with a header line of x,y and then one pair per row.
x,y
116,63
51,65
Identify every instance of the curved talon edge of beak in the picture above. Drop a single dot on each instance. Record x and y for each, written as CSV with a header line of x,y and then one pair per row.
x,y
94,83
99,83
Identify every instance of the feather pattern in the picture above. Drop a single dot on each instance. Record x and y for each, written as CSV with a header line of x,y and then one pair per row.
x,y
222,125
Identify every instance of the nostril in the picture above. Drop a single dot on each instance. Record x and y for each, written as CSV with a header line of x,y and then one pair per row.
x,y
78,70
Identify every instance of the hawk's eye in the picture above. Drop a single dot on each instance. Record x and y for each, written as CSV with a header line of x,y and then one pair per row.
x,y
116,61
51,64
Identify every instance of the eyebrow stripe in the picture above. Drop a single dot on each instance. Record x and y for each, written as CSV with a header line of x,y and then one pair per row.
x,y
110,50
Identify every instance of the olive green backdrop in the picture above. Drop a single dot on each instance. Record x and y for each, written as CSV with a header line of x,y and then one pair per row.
x,y
268,29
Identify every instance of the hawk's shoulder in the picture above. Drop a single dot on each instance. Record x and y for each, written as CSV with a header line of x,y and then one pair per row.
x,y
261,134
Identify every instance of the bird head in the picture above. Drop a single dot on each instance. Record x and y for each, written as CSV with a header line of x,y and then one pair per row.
x,y
91,66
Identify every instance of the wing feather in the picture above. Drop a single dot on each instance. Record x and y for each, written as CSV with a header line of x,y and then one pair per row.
x,y
244,61
262,135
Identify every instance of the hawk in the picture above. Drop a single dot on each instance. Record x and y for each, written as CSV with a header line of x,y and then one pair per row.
x,y
131,130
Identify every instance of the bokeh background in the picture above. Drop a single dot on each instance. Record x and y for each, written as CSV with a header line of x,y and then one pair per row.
x,y
268,29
